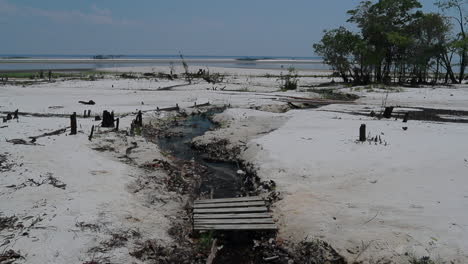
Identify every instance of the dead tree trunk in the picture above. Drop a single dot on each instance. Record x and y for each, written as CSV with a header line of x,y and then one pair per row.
x,y
15,114
89,113
91,134
362,133
73,124
107,119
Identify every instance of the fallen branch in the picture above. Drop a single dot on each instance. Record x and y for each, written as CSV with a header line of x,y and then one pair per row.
x,y
176,108
38,114
172,86
53,133
200,105
18,141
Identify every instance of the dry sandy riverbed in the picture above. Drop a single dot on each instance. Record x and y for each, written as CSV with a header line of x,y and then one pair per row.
x,y
406,196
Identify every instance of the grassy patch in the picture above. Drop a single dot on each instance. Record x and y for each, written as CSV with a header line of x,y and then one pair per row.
x,y
206,240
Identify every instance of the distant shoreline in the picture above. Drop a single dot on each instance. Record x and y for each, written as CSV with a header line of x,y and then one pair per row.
x,y
146,61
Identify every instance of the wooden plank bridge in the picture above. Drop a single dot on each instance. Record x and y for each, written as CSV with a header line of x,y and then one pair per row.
x,y
243,213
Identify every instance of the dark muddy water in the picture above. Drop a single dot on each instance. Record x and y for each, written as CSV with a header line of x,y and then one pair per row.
x,y
425,114
222,178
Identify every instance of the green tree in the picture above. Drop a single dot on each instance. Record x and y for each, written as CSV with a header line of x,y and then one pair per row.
x,y
460,44
381,24
336,47
428,47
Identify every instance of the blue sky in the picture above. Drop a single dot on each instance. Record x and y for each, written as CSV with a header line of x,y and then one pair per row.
x,y
203,27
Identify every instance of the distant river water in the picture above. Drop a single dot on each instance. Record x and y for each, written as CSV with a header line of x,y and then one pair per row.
x,y
80,62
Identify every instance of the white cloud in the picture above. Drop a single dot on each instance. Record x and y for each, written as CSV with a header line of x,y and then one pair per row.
x,y
96,15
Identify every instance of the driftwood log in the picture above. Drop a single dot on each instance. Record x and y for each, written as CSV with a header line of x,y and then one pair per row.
x,y
53,133
90,102
176,108
195,105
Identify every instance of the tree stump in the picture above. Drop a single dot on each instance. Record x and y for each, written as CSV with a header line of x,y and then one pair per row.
x,y
107,119
362,133
91,134
15,114
388,112
139,119
117,122
73,124
405,119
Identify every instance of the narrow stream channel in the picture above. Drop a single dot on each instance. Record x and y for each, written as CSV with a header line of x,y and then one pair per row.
x,y
222,179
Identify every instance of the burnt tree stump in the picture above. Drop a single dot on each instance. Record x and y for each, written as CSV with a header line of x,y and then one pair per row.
x,y
89,113
405,119
117,121
73,124
107,119
139,119
388,112
362,133
15,114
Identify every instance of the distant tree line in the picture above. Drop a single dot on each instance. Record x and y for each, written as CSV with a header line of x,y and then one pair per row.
x,y
398,43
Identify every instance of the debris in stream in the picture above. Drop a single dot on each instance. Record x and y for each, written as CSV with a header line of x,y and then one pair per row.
x,y
5,164
7,222
207,165
10,256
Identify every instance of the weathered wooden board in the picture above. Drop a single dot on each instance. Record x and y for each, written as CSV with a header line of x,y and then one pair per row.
x,y
236,227
227,205
228,216
243,213
235,221
231,210
228,200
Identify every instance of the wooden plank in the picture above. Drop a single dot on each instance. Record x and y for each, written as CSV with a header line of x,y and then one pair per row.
x,y
229,200
227,205
235,221
227,216
236,227
230,210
